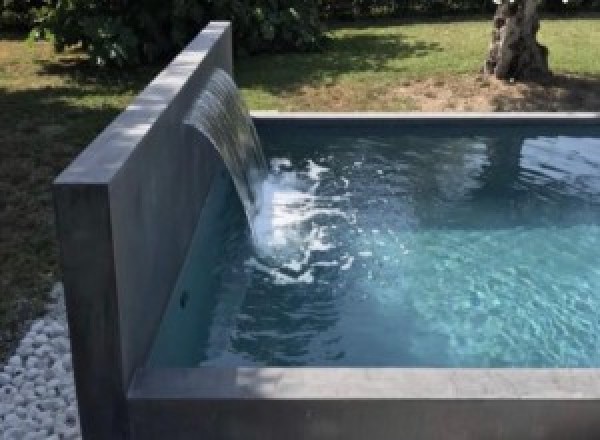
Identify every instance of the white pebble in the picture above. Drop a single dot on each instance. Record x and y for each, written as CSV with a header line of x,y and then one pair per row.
x,y
55,329
29,395
37,326
32,373
58,369
19,400
40,390
25,349
67,362
15,361
47,423
12,419
40,339
37,435
31,362
13,434
37,391
5,408
62,344
21,412
7,393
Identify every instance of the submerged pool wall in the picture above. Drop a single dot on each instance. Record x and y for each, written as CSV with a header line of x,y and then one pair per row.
x,y
126,209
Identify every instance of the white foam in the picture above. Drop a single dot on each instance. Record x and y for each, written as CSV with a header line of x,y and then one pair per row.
x,y
285,221
315,170
348,263
279,277
277,163
292,226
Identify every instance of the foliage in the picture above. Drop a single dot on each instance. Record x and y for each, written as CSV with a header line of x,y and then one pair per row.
x,y
268,25
127,32
17,14
122,32
368,8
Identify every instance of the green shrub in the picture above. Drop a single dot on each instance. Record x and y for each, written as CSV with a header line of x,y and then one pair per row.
x,y
127,32
18,14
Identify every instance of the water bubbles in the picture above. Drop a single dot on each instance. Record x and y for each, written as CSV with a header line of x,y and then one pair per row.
x,y
293,224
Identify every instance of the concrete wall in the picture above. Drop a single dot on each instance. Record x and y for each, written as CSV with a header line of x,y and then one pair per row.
x,y
366,403
126,210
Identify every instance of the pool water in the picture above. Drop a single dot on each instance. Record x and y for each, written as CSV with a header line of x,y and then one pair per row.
x,y
402,251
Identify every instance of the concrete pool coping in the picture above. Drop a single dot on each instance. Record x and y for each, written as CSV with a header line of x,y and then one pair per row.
x,y
127,209
365,383
365,403
585,117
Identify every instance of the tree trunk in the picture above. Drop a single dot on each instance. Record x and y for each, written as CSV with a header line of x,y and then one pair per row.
x,y
515,52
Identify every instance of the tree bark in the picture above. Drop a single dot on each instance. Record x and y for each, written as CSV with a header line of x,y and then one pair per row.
x,y
515,52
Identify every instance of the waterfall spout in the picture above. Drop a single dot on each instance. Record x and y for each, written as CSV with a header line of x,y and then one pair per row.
x,y
220,114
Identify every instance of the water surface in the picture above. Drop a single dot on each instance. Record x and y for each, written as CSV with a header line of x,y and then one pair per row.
x,y
408,251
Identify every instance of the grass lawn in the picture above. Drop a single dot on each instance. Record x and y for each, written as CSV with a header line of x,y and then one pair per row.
x,y
52,106
49,111
423,66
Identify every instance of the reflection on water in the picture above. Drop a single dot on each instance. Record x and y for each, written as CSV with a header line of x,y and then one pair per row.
x,y
415,251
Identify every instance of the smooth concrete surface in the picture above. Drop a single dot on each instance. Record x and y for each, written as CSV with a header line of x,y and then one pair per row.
x,y
337,419
467,124
410,117
365,383
127,208
365,403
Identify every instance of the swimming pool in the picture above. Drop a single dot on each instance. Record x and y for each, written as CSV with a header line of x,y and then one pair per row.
x,y
419,247
148,204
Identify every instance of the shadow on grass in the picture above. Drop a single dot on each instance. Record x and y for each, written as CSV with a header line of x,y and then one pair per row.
x,y
370,23
13,35
344,56
41,131
82,72
558,93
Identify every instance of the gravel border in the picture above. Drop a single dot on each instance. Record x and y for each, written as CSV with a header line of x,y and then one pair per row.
x,y
37,390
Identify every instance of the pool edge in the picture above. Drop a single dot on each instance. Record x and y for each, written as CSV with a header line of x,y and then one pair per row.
x,y
355,404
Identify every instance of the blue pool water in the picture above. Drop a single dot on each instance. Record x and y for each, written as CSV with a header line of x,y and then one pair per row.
x,y
399,250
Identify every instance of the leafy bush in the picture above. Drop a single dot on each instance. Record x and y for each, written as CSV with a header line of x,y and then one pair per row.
x,y
414,8
17,14
126,32
268,25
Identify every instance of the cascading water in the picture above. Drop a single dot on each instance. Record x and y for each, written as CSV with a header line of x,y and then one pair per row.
x,y
280,204
220,114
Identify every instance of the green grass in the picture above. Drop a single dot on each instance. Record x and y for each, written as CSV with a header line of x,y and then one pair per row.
x,y
52,106
363,61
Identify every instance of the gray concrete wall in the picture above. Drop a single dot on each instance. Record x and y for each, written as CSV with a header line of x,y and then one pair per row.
x,y
365,403
126,210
